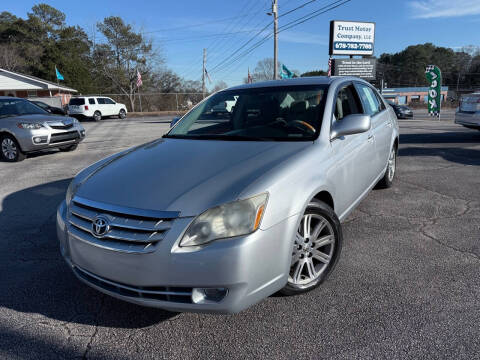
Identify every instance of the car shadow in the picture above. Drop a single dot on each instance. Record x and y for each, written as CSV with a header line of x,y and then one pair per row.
x,y
34,277
461,154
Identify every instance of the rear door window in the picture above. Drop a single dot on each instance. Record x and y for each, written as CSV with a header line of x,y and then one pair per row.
x,y
77,101
101,101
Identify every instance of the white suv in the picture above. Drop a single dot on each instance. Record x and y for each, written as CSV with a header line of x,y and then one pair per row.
x,y
95,107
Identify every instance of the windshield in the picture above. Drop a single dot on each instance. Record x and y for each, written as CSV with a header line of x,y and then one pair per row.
x,y
13,107
289,113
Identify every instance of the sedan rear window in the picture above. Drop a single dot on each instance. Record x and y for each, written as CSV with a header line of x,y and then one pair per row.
x,y
77,101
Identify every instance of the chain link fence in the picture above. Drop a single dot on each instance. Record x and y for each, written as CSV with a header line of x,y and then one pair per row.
x,y
151,102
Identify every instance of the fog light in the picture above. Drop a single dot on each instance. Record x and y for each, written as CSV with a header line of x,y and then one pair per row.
x,y
82,132
40,139
208,295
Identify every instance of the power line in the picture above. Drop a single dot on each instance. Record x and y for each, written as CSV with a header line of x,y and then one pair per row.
x,y
287,26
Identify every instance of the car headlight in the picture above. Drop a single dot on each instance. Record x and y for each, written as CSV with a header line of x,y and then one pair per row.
x,y
237,218
29,126
72,189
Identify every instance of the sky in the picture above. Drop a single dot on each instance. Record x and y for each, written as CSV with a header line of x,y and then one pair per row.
x,y
181,29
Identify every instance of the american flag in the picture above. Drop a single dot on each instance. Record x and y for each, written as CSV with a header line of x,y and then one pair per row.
x,y
139,79
249,77
329,67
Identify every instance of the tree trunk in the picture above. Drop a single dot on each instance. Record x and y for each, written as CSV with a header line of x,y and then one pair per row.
x,y
131,97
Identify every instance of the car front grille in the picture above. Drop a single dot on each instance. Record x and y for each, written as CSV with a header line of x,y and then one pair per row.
x,y
130,230
66,136
467,112
162,293
60,127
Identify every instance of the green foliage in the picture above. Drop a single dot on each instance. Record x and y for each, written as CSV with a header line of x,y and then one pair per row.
x,y
314,73
407,67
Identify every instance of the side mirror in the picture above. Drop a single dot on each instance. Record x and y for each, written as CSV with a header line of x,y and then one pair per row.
x,y
351,124
49,110
174,121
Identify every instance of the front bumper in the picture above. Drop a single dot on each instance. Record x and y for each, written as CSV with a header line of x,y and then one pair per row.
x,y
51,138
468,119
250,267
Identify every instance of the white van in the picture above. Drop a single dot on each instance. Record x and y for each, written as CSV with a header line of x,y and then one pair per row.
x,y
95,107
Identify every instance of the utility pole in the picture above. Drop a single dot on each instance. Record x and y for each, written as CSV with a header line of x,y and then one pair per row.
x,y
275,39
203,72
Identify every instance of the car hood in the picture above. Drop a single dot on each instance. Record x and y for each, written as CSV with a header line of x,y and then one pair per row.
x,y
39,118
189,176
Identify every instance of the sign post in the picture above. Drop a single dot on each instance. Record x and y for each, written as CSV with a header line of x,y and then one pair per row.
x,y
352,38
434,77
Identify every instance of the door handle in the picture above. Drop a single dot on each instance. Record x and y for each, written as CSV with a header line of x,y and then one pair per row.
x,y
370,138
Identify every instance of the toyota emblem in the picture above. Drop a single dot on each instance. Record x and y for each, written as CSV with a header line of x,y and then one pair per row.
x,y
100,226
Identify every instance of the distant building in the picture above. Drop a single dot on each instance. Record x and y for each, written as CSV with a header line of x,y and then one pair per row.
x,y
409,95
26,86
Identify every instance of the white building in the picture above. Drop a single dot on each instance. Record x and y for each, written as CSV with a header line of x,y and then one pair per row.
x,y
26,86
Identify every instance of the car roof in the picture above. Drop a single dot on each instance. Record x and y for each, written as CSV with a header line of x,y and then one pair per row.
x,y
311,80
10,98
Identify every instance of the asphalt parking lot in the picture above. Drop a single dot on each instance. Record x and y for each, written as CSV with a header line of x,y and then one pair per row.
x,y
407,284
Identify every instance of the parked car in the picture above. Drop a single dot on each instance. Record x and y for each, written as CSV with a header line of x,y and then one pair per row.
x,y
95,107
48,108
27,128
217,215
468,112
402,111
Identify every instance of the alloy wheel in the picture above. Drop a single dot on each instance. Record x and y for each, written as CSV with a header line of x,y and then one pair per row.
x,y
392,162
312,251
9,148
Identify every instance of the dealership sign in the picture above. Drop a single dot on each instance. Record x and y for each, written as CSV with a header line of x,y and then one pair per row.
x,y
434,78
352,38
363,68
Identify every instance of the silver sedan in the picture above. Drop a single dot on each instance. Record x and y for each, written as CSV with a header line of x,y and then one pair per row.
x,y
232,206
26,128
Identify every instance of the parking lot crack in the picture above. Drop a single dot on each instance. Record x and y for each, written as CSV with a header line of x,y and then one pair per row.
x,y
95,329
441,243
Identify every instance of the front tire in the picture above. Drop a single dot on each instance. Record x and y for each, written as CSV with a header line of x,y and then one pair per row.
x,y
122,114
10,149
97,116
316,249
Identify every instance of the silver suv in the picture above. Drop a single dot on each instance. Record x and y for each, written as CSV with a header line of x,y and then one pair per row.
x,y
468,112
26,127
230,207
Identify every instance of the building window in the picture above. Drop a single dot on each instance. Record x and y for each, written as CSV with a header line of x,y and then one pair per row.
x,y
32,93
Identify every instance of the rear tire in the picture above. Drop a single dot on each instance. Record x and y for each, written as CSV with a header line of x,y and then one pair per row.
x,y
316,249
387,180
122,114
10,149
97,116
69,148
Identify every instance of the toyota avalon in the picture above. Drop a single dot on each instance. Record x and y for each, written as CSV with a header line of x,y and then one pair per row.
x,y
230,207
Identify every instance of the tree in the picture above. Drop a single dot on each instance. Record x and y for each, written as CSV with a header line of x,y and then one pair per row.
x,y
220,85
123,55
314,73
264,70
10,58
